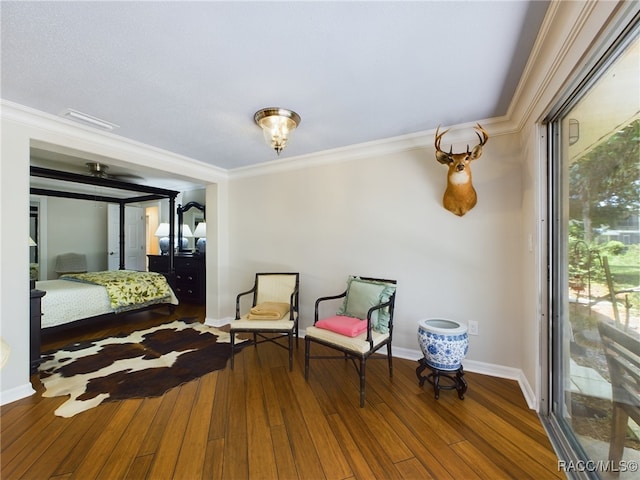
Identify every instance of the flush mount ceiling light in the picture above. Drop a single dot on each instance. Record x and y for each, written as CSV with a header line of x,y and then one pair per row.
x,y
88,119
277,124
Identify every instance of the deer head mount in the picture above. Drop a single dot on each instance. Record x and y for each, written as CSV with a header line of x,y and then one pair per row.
x,y
460,196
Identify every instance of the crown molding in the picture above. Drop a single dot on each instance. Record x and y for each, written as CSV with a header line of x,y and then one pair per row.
x,y
79,137
462,133
66,134
567,33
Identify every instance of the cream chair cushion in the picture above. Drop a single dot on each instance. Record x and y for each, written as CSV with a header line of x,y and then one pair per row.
x,y
246,324
357,344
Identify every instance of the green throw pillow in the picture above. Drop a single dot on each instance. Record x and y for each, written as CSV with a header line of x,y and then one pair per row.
x,y
364,294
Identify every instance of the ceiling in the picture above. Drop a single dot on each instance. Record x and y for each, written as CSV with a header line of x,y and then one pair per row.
x,y
188,77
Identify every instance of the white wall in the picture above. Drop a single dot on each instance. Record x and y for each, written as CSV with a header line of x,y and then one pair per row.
x,y
14,255
382,216
77,226
219,292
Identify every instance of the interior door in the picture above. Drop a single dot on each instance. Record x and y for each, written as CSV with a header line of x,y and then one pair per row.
x,y
134,237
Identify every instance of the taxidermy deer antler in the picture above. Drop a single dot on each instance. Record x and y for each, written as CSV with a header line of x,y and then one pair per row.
x,y
460,196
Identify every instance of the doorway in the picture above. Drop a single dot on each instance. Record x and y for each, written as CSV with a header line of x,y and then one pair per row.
x,y
134,234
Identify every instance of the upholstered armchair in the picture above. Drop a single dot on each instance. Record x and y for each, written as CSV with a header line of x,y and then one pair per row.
x,y
71,263
362,325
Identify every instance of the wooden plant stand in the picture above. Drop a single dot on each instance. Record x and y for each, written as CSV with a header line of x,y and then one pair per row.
x,y
454,382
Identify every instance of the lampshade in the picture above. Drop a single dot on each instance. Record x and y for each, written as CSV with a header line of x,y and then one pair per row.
x,y
163,230
186,231
277,124
201,230
201,234
32,243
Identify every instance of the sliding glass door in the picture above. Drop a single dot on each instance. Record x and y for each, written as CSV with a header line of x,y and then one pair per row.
x,y
594,266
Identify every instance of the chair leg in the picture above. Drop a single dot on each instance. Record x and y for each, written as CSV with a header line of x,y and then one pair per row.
x,y
363,363
290,338
390,359
233,349
255,340
307,348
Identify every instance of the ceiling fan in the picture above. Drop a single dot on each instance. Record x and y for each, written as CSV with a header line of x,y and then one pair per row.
x,y
99,170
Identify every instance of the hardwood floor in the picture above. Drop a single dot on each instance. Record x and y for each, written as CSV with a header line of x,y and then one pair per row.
x,y
262,421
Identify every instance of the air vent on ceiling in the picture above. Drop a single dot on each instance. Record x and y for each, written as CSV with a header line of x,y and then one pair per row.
x,y
88,119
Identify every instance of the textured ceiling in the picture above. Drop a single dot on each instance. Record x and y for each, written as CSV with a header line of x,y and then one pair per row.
x,y
187,77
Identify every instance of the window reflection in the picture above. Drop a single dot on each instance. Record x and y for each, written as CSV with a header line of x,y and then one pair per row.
x,y
599,254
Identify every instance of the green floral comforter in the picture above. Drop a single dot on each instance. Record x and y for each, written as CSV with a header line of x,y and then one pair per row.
x,y
127,289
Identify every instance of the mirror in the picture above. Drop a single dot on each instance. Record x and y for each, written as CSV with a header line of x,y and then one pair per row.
x,y
191,221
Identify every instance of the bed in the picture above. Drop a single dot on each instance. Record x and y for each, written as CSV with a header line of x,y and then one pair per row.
x,y
76,297
72,301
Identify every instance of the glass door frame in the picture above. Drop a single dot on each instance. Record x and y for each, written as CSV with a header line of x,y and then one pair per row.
x,y
623,30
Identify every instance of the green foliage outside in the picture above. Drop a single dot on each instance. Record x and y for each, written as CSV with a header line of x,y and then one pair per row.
x,y
586,269
604,184
626,267
604,190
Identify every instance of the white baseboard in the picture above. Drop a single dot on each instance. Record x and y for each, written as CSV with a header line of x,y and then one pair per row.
x,y
16,393
483,368
510,373
217,322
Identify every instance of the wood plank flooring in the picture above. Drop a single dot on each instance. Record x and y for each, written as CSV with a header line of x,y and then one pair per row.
x,y
261,421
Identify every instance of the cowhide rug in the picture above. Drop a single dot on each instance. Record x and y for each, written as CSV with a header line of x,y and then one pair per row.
x,y
145,363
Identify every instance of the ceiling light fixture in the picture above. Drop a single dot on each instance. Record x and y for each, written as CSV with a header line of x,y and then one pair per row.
x,y
88,119
277,124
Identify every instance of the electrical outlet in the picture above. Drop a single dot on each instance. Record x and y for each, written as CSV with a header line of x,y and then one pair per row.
x,y
473,327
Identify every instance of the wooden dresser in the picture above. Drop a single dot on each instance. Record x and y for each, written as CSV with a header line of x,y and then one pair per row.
x,y
189,283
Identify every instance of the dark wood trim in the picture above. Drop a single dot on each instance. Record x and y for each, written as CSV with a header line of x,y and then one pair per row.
x,y
99,181
96,198
152,193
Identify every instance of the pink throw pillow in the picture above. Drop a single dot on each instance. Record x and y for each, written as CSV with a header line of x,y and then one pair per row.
x,y
348,326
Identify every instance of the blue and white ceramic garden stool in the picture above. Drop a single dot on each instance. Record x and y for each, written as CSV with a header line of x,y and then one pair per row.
x,y
444,344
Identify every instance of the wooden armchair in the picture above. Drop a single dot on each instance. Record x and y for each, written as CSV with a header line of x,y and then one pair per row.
x,y
623,359
362,325
274,310
613,293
